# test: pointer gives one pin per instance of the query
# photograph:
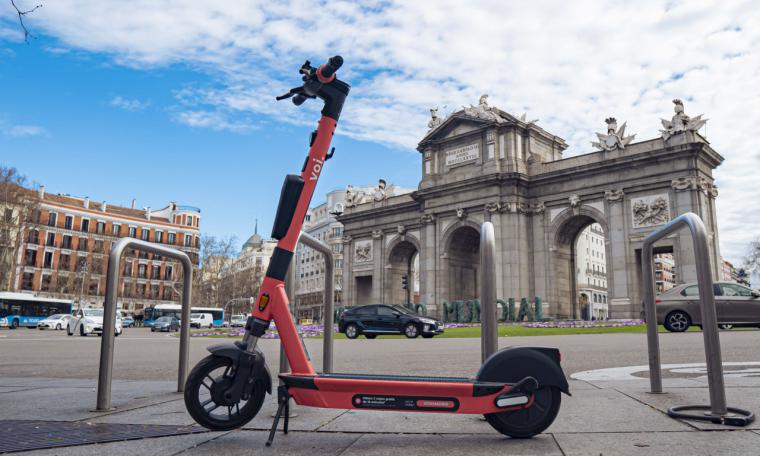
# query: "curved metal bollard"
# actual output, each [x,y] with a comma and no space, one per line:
[718,411]
[105,371]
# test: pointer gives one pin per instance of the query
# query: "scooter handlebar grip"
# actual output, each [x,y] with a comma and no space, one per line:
[326,72]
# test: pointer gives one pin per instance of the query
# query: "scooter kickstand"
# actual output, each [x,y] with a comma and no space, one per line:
[283,399]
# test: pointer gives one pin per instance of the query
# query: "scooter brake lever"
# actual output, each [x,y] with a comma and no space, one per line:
[290,93]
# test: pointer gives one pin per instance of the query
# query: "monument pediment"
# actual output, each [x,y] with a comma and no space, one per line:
[455,125]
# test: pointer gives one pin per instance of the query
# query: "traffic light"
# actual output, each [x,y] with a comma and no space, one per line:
[405,281]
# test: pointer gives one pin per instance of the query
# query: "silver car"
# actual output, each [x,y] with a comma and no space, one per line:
[735,304]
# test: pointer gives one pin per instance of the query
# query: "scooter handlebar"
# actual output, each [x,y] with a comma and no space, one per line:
[327,71]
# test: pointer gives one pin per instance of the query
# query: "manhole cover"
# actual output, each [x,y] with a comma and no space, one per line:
[23,435]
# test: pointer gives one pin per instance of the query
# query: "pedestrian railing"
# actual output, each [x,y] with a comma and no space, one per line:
[717,411]
[105,371]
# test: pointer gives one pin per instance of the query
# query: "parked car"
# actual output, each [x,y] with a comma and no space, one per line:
[375,319]
[201,320]
[90,321]
[238,321]
[166,323]
[128,322]
[57,321]
[735,305]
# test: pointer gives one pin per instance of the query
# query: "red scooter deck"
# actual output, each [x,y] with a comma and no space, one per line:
[402,393]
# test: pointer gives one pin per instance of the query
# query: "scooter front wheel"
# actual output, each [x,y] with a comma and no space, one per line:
[530,421]
[205,401]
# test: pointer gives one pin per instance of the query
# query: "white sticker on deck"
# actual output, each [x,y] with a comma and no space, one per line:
[693,370]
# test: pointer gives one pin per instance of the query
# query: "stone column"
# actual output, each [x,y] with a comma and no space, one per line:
[349,290]
[619,282]
[378,269]
[429,265]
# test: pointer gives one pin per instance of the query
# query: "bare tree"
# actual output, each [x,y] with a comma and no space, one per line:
[21,14]
[216,258]
[18,206]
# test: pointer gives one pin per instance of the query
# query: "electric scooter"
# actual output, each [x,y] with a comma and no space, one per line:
[516,389]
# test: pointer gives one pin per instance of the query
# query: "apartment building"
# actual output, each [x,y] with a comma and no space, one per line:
[65,244]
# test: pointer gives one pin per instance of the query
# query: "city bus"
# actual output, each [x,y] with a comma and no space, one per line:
[23,309]
[159,310]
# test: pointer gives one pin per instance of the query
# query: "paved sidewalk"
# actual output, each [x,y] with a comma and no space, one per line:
[601,418]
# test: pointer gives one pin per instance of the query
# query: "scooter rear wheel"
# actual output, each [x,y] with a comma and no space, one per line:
[527,422]
[205,400]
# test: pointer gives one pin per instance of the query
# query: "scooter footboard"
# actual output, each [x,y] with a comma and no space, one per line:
[442,396]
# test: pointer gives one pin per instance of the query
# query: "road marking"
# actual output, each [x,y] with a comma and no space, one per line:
[745,369]
[83,338]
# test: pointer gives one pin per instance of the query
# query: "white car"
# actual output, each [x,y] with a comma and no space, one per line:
[201,320]
[238,321]
[57,321]
[90,321]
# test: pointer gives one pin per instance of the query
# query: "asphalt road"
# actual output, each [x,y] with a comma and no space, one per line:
[142,355]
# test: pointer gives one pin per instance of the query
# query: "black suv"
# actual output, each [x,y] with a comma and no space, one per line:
[375,319]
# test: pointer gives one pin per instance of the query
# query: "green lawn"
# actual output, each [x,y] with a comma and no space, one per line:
[515,330]
[519,330]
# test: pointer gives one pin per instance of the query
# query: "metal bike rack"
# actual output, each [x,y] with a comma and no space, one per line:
[105,371]
[327,350]
[718,412]
[489,339]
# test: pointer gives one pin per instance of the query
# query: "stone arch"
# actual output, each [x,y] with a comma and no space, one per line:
[563,236]
[400,261]
[460,245]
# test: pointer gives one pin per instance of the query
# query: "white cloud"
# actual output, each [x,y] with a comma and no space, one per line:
[129,104]
[20,131]
[571,64]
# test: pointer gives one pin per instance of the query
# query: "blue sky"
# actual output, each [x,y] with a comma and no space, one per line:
[93,146]
[179,94]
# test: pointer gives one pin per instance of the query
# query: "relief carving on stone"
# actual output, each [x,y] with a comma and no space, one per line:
[615,194]
[650,210]
[401,229]
[427,218]
[363,251]
[493,206]
[574,200]
[377,234]
[461,213]
[435,121]
[484,111]
[537,207]
[614,139]
[680,122]
[684,183]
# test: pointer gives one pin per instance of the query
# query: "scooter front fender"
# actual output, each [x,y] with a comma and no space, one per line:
[233,352]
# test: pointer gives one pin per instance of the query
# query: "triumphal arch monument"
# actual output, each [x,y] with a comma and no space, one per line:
[481,163]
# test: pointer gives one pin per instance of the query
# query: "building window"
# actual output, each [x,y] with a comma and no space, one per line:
[50,239]
[159,236]
[85,225]
[27,281]
[132,232]
[128,269]
[172,238]
[155,273]
[46,282]
[64,261]
[189,220]
[52,217]
[167,294]
[48,260]
[68,222]
[94,287]
[145,234]
[142,271]
[188,240]
[168,270]
[100,228]
[82,247]
[66,242]
[33,237]
[98,247]
[115,229]
[30,258]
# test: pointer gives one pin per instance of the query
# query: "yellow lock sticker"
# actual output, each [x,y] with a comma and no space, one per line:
[263,301]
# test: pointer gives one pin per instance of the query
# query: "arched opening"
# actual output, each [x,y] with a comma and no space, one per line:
[403,268]
[463,255]
[581,269]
